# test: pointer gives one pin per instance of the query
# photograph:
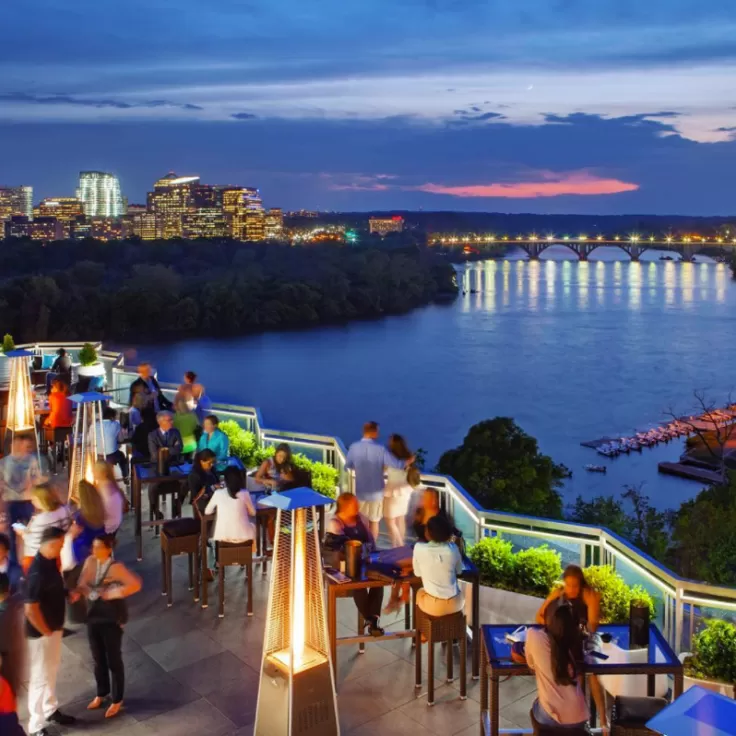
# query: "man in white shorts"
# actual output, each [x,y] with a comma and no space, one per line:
[368,459]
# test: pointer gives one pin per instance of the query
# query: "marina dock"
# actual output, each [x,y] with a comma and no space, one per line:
[691,472]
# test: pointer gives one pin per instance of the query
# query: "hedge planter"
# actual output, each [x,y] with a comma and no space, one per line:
[502,606]
[723,688]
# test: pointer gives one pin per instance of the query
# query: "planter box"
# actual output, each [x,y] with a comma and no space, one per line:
[90,371]
[502,606]
[723,688]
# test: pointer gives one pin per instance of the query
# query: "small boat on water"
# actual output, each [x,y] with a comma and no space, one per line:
[596,468]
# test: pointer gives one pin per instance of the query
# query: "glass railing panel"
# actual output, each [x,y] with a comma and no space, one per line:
[633,575]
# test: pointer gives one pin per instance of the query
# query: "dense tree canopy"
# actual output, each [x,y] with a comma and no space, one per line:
[132,290]
[501,466]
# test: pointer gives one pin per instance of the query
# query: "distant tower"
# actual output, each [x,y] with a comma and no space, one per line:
[100,194]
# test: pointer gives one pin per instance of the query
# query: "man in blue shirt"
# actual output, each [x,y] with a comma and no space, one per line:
[368,459]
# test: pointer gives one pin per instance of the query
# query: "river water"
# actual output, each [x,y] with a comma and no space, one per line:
[573,351]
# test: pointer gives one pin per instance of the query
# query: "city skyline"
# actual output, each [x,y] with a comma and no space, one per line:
[535,106]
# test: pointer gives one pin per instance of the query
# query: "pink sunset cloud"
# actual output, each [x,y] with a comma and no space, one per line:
[547,184]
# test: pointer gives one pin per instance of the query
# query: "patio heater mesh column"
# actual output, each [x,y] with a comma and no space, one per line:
[20,412]
[297,691]
[86,449]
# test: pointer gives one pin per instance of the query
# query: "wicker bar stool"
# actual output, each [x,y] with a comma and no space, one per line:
[241,554]
[179,537]
[540,729]
[630,715]
[444,629]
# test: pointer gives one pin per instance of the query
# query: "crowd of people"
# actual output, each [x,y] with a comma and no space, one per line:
[57,560]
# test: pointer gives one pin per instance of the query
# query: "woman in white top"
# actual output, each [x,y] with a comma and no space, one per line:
[235,510]
[397,492]
[438,563]
[551,653]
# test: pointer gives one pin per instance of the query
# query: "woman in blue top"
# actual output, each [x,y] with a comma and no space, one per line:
[89,521]
[214,439]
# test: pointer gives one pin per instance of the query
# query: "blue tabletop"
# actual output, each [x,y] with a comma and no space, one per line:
[698,712]
[660,653]
[145,472]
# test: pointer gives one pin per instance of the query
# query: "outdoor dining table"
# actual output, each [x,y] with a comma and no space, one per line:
[699,712]
[366,581]
[496,663]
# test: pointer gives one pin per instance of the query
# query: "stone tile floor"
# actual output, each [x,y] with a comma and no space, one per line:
[188,671]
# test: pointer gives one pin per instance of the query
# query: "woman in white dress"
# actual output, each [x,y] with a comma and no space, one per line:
[397,492]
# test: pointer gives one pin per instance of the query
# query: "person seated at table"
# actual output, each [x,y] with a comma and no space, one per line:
[552,654]
[166,436]
[203,475]
[60,408]
[185,421]
[214,439]
[235,510]
[575,591]
[139,439]
[276,470]
[428,508]
[585,604]
[190,391]
[61,369]
[147,385]
[438,563]
[349,524]
[109,433]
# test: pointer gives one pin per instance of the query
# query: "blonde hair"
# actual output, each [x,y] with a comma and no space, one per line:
[46,497]
[90,504]
[105,471]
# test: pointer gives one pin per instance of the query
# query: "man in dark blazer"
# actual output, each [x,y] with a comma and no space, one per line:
[169,437]
[147,385]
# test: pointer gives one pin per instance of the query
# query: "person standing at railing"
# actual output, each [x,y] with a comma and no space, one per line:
[368,459]
[397,492]
[147,385]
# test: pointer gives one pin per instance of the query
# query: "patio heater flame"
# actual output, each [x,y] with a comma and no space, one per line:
[20,412]
[297,691]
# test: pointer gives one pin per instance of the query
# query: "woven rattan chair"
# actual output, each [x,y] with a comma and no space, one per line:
[440,629]
[540,729]
[235,554]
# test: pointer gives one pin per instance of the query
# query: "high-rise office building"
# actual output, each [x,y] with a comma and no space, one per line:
[100,193]
[45,229]
[171,198]
[16,201]
[64,209]
[244,213]
[204,222]
[143,225]
[274,224]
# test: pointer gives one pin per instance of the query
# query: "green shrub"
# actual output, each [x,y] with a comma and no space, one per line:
[88,354]
[243,444]
[536,570]
[714,653]
[8,343]
[324,477]
[616,595]
[494,558]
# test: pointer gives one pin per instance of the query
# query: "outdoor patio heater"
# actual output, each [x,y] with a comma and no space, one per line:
[20,413]
[86,445]
[297,690]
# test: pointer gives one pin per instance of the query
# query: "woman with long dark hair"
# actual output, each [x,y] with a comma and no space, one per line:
[397,492]
[584,601]
[203,475]
[276,470]
[106,583]
[553,653]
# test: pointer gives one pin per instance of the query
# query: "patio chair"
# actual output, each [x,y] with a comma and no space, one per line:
[241,554]
[443,629]
[179,537]
[540,729]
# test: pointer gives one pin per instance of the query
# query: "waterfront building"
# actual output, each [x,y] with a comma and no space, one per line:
[144,225]
[274,224]
[106,228]
[204,222]
[171,198]
[384,225]
[81,228]
[16,201]
[100,193]
[244,213]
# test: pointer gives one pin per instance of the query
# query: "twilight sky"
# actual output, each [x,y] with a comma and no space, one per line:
[594,106]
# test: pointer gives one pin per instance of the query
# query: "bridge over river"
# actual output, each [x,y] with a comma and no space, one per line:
[582,247]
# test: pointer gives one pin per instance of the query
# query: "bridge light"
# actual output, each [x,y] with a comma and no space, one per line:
[617,238]
[600,237]
[550,237]
[566,237]
[505,237]
[668,239]
[651,239]
[518,237]
[634,238]
[582,237]
[533,236]
[720,240]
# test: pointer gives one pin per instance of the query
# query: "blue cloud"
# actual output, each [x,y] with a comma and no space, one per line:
[61,99]
[243,116]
